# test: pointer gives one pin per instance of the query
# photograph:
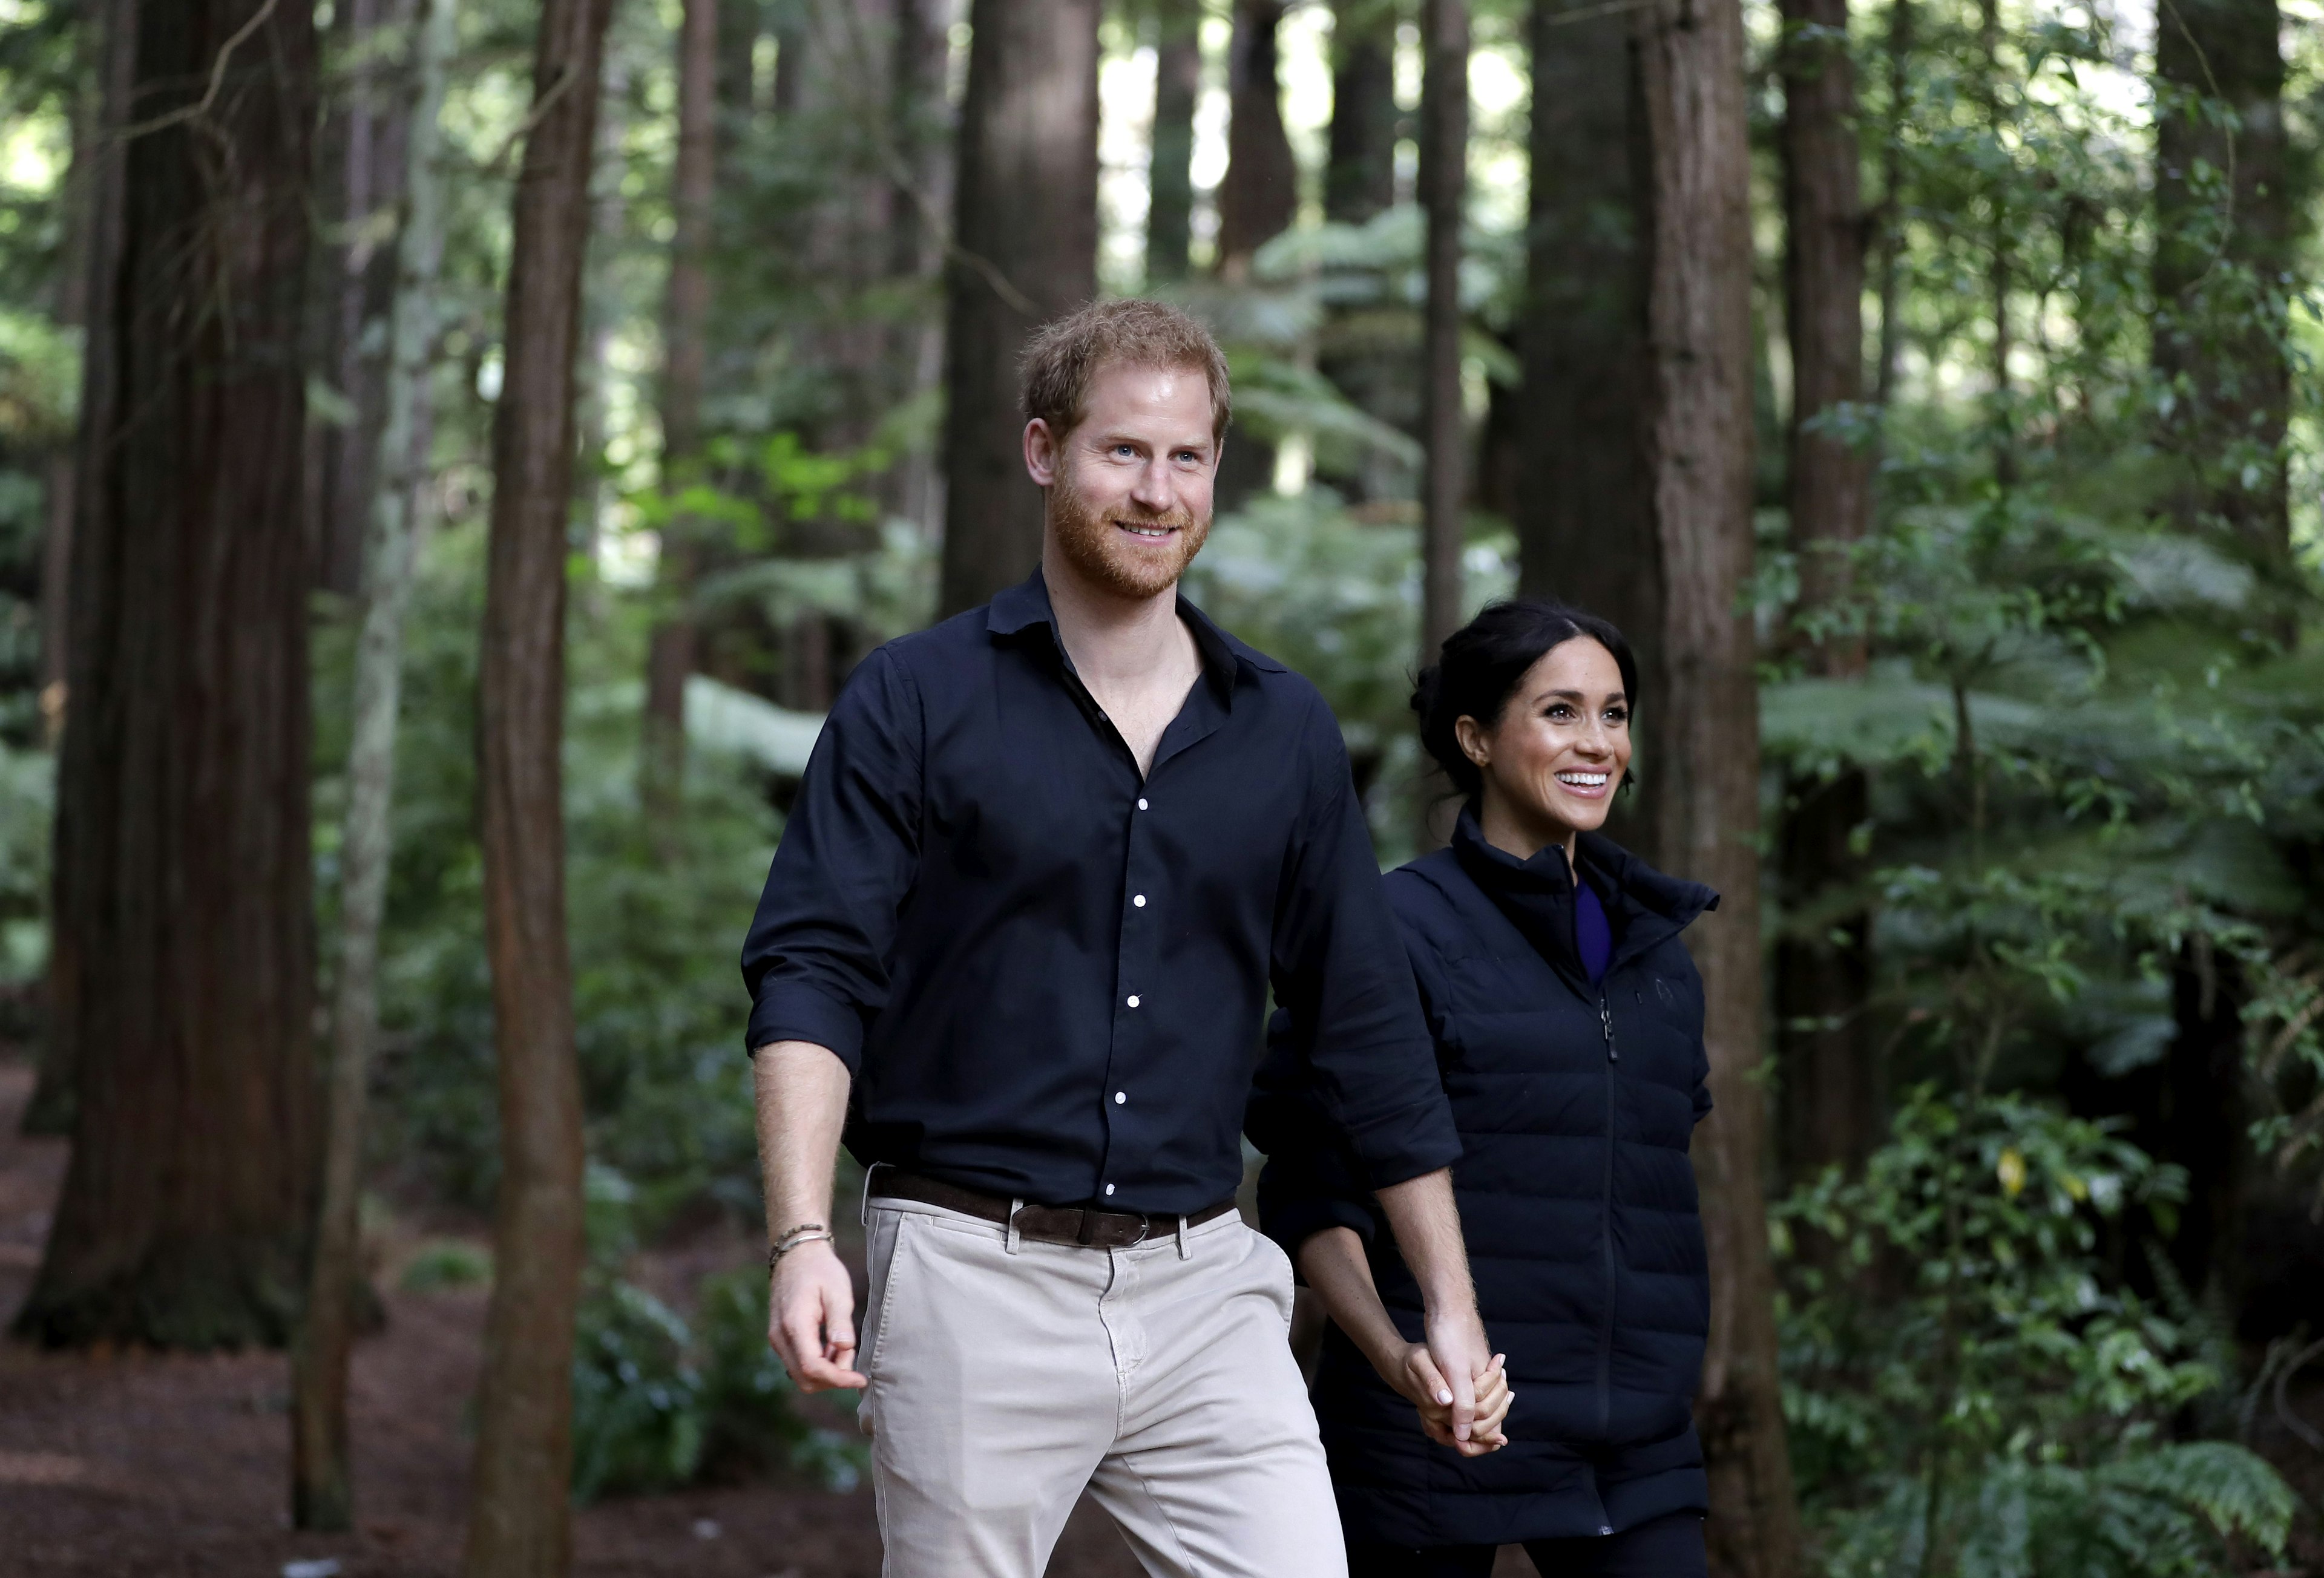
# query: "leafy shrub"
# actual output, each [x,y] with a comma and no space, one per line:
[446,1264]
[658,1404]
[1965,1394]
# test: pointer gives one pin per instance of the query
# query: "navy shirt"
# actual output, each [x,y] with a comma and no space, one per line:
[1048,976]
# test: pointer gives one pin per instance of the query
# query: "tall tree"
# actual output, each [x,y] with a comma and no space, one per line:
[1170,179]
[2223,244]
[521,1524]
[322,1489]
[1444,193]
[670,654]
[2226,244]
[1585,532]
[2000,240]
[1897,62]
[1259,193]
[1823,974]
[1025,232]
[75,487]
[1359,171]
[1698,445]
[185,957]
[361,165]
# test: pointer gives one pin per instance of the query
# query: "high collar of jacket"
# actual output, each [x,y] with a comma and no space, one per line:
[1643,906]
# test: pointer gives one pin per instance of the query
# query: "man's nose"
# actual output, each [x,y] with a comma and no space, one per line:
[1154,488]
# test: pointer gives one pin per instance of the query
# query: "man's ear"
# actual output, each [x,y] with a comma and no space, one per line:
[1041,452]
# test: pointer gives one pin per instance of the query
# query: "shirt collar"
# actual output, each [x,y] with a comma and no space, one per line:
[1020,607]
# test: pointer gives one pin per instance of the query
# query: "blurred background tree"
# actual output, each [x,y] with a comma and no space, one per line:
[1928,386]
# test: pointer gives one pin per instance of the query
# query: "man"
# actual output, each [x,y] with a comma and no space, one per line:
[1045,862]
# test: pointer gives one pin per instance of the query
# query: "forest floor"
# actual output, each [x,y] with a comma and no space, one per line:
[137,1464]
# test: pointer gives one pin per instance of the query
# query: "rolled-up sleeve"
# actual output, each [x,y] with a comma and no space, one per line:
[1342,977]
[1310,1182]
[816,961]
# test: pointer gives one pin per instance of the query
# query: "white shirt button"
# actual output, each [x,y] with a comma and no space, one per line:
[1109,1188]
[1133,999]
[1119,1097]
[1141,805]
[1139,901]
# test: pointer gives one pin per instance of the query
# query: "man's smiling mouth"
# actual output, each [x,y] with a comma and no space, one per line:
[1144,530]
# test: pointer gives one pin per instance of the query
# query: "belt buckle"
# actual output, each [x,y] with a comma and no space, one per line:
[1145,1225]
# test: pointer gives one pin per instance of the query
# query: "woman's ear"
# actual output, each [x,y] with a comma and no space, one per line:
[1475,744]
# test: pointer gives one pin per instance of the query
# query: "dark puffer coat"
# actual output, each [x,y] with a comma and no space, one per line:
[1576,1105]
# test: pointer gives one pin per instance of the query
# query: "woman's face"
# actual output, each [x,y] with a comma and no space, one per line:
[1558,751]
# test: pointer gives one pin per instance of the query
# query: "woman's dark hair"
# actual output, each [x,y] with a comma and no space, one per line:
[1482,663]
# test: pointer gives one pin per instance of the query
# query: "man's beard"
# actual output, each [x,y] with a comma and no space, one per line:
[1089,542]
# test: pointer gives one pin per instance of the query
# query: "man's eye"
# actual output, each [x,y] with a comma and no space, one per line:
[1125,449]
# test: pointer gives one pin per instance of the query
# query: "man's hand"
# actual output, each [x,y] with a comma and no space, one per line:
[1427,1228]
[811,1318]
[1413,1372]
[1456,1342]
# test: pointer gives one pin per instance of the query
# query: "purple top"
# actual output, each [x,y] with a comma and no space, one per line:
[1592,932]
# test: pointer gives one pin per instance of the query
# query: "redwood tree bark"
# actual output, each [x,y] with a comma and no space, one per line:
[1584,530]
[1699,440]
[322,1486]
[521,1523]
[184,957]
[1259,193]
[50,1109]
[1444,188]
[670,653]
[1170,180]
[1360,172]
[2221,318]
[1026,227]
[1828,1096]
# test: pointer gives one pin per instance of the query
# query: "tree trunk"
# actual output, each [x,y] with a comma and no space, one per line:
[1898,61]
[322,1490]
[1026,225]
[2003,419]
[1359,177]
[670,653]
[1170,179]
[50,1109]
[1822,975]
[1699,440]
[365,136]
[1584,529]
[2222,328]
[1444,186]
[521,1524]
[185,958]
[1259,193]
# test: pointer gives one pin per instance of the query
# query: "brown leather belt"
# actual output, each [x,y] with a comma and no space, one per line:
[1081,1226]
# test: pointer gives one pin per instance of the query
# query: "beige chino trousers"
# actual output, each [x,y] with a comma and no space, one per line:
[1006,1378]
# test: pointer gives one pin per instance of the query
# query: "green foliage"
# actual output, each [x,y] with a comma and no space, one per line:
[658,1403]
[446,1264]
[1966,1393]
[1335,594]
[654,922]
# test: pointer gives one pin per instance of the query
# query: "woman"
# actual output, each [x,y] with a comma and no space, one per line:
[1568,1022]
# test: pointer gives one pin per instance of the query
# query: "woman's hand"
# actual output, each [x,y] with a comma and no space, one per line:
[1412,1371]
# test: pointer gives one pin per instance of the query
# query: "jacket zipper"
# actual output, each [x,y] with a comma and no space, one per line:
[1605,1228]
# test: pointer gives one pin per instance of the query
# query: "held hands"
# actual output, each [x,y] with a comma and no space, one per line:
[811,1318]
[1413,1372]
